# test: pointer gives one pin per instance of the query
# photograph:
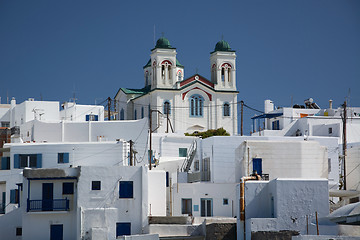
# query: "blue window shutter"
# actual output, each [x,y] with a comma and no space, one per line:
[12,196]
[16,161]
[123,229]
[3,163]
[87,118]
[126,189]
[39,160]
[96,118]
[66,157]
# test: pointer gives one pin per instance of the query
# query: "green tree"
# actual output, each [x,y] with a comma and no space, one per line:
[209,133]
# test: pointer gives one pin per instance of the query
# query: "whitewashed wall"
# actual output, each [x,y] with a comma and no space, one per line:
[285,159]
[157,193]
[282,204]
[196,191]
[102,209]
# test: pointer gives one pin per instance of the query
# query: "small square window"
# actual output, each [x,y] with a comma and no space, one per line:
[123,228]
[19,231]
[182,152]
[96,185]
[126,189]
[330,130]
[68,188]
[225,201]
[63,157]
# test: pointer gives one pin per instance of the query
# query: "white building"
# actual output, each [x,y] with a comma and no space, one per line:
[186,105]
[311,121]
[86,202]
[219,163]
[283,207]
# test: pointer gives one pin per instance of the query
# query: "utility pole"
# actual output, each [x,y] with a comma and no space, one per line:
[242,117]
[109,106]
[344,143]
[115,113]
[131,153]
[150,133]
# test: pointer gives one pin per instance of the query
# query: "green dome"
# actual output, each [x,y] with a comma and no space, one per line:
[222,46]
[163,43]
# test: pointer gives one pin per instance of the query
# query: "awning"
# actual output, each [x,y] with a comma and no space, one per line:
[268,115]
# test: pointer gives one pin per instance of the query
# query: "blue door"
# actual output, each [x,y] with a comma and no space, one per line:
[257,165]
[56,232]
[47,196]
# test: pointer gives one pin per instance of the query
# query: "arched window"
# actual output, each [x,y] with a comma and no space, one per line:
[169,71]
[226,112]
[163,71]
[167,108]
[122,115]
[142,112]
[196,106]
[147,78]
[223,74]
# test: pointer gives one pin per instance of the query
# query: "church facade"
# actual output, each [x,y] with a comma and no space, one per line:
[183,105]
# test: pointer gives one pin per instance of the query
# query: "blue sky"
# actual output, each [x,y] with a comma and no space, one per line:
[285,49]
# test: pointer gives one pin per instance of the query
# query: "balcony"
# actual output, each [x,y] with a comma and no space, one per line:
[48,205]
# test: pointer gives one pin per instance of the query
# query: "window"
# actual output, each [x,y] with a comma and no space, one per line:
[14,196]
[179,76]
[5,163]
[226,110]
[182,152]
[142,112]
[68,188]
[186,206]
[205,169]
[126,189]
[167,179]
[5,124]
[276,125]
[27,160]
[330,130]
[223,74]
[196,165]
[123,229]
[163,71]
[92,117]
[63,157]
[257,165]
[329,165]
[95,185]
[166,107]
[225,201]
[196,106]
[135,114]
[122,115]
[19,231]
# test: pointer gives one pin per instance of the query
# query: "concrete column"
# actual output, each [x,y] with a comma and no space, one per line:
[218,77]
[233,78]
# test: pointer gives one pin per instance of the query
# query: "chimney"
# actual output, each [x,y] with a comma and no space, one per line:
[330,104]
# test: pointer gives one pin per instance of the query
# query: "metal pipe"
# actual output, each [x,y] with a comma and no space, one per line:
[242,198]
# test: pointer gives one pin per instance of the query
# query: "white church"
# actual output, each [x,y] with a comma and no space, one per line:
[183,105]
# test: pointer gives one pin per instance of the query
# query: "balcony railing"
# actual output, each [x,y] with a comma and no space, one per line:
[48,205]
